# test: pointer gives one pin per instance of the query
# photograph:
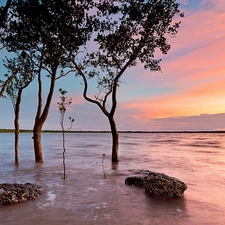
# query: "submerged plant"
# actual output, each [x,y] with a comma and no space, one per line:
[63,104]
[103,157]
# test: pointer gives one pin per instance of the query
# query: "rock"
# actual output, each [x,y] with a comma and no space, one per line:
[158,185]
[136,181]
[15,193]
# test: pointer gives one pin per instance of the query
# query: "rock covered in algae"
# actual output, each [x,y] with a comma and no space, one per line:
[15,193]
[158,185]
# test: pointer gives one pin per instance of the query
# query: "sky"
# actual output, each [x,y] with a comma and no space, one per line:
[187,95]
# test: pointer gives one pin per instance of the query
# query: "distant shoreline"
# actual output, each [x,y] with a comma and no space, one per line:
[80,131]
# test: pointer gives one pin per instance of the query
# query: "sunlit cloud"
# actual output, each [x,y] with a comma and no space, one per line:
[201,99]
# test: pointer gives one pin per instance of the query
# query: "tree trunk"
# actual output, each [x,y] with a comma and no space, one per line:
[115,139]
[16,124]
[37,142]
[42,116]
[17,133]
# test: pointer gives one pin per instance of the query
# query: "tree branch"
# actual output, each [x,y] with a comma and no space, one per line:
[79,70]
[7,81]
[63,75]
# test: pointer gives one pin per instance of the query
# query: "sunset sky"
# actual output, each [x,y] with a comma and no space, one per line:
[188,95]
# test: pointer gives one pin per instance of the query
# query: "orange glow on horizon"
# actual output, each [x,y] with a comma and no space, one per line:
[195,101]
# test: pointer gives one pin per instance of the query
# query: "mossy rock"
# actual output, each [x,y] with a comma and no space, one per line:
[15,193]
[158,185]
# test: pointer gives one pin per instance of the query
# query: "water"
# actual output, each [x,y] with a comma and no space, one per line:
[85,197]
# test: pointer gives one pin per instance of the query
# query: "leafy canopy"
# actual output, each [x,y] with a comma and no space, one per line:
[47,29]
[126,33]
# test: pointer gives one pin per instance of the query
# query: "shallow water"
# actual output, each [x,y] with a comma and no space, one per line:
[85,197]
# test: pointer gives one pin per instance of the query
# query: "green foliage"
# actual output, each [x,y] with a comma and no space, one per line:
[47,30]
[141,29]
[64,102]
[3,12]
[126,33]
[24,71]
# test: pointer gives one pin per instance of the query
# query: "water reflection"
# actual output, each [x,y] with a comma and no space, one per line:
[115,165]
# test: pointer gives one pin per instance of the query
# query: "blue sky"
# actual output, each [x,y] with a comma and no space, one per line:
[188,94]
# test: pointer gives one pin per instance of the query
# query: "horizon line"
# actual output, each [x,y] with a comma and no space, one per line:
[8,130]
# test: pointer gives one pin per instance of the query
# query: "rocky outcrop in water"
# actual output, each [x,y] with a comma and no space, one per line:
[15,193]
[157,184]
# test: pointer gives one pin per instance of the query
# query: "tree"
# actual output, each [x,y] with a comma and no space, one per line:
[44,30]
[129,32]
[63,104]
[15,88]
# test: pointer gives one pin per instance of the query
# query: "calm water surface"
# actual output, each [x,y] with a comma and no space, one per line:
[85,197]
